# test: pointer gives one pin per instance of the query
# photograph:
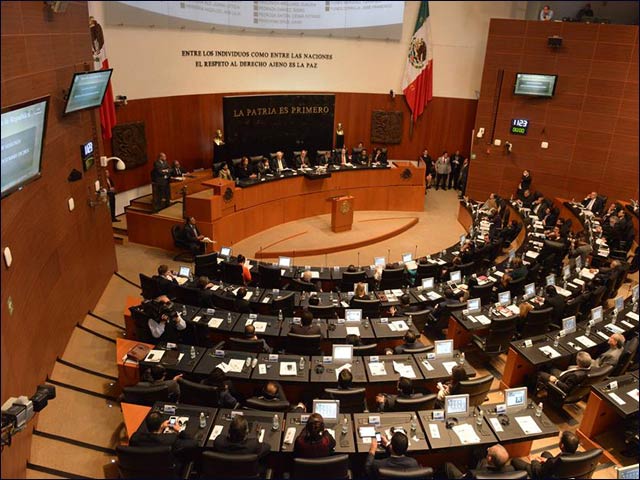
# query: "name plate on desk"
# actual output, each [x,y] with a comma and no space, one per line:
[211,311]
[431,355]
[327,360]
[384,320]
[253,316]
[273,357]
[374,419]
[613,385]
[219,353]
[374,359]
[528,343]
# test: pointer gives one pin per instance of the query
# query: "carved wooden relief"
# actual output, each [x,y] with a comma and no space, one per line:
[386,127]
[129,143]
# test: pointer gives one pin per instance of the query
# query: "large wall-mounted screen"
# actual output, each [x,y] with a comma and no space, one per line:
[87,90]
[535,85]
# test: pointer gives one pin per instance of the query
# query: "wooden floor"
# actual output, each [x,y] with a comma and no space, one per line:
[85,374]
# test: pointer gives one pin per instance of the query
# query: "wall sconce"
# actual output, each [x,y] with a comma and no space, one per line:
[120,165]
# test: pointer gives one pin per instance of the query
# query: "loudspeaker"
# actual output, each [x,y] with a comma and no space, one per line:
[554,41]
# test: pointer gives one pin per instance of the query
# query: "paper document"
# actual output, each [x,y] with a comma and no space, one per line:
[434,296]
[528,425]
[215,322]
[532,254]
[248,295]
[266,299]
[399,326]
[260,327]
[498,273]
[626,324]
[236,365]
[377,369]
[427,365]
[586,273]
[633,316]
[616,398]
[217,430]
[397,292]
[223,366]
[197,318]
[315,274]
[549,350]
[614,328]
[441,262]
[495,423]
[338,370]
[578,281]
[466,434]
[288,369]
[584,340]
[472,318]
[448,366]
[483,319]
[261,436]
[404,370]
[633,394]
[181,280]
[434,430]
[353,331]
[603,335]
[154,356]
[562,291]
[422,297]
[514,309]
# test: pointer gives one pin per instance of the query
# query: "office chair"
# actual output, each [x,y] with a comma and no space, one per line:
[246,345]
[365,350]
[517,475]
[349,279]
[298,285]
[578,465]
[423,402]
[146,462]
[392,278]
[477,388]
[267,405]
[185,255]
[627,356]
[303,344]
[423,349]
[483,292]
[231,465]
[146,395]
[353,400]
[536,323]
[232,273]
[334,467]
[560,398]
[322,311]
[419,319]
[370,308]
[149,287]
[192,393]
[270,277]
[501,331]
[420,473]
[286,303]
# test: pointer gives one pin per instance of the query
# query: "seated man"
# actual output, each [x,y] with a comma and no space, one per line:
[227,396]
[165,279]
[177,170]
[183,447]
[345,379]
[306,326]
[494,462]
[544,465]
[593,202]
[396,458]
[302,160]
[404,307]
[239,442]
[193,237]
[250,334]
[307,280]
[387,402]
[410,341]
[164,322]
[156,375]
[612,355]
[239,303]
[568,379]
[279,163]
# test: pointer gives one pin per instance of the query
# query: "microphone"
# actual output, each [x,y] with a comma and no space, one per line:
[358,260]
[388,254]
[415,255]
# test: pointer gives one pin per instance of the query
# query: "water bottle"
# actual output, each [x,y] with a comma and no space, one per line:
[203,420]
[409,321]
[184,311]
[461,358]
[229,318]
[556,341]
[304,296]
[635,307]
[301,364]
[280,317]
[443,253]
[540,291]
[192,352]
[276,422]
[539,409]
[366,322]
[413,423]
[479,418]
[587,331]
[345,425]
[614,316]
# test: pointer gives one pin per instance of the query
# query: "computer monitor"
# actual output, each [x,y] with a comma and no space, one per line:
[515,398]
[456,405]
[473,305]
[578,263]
[184,272]
[366,287]
[225,251]
[407,257]
[634,293]
[379,261]
[427,283]
[504,298]
[529,291]
[284,262]
[342,353]
[463,238]
[566,272]
[631,471]
[353,314]
[596,314]
[512,255]
[329,409]
[619,303]
[456,276]
[551,279]
[444,348]
[569,324]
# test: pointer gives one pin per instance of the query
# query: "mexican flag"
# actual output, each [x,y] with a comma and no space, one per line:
[101,62]
[417,84]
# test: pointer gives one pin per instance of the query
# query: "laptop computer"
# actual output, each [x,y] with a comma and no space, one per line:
[515,399]
[456,406]
[342,353]
[225,252]
[443,348]
[329,409]
[184,272]
[353,314]
[427,283]
[569,324]
[529,291]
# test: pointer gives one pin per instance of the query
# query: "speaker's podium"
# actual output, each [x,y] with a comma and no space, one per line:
[342,213]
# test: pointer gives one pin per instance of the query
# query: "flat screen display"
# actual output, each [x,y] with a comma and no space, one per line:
[225,251]
[504,298]
[456,276]
[427,283]
[87,90]
[406,257]
[566,272]
[515,398]
[535,85]
[456,405]
[23,130]
[353,314]
[284,261]
[619,303]
[634,293]
[530,290]
[569,324]
[444,348]
[596,314]
[632,471]
[473,304]
[551,279]
[329,409]
[379,261]
[342,353]
[184,272]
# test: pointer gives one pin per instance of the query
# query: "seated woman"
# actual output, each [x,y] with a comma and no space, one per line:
[518,269]
[359,294]
[451,386]
[525,308]
[225,173]
[227,398]
[244,170]
[314,441]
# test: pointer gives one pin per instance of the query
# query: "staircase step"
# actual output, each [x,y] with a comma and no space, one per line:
[72,376]
[120,240]
[89,351]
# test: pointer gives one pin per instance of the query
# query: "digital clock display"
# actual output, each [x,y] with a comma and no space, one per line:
[519,126]
[86,153]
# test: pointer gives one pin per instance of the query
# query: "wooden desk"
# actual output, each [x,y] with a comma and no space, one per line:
[193,183]
[133,415]
[129,324]
[128,373]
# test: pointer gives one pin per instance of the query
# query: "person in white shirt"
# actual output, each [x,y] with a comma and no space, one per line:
[166,316]
[546,13]
[279,163]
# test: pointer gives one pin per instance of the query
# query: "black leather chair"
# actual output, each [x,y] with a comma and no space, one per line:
[501,331]
[322,311]
[421,473]
[392,278]
[353,400]
[146,395]
[334,467]
[419,319]
[223,300]
[477,388]
[192,393]
[427,270]
[270,277]
[232,273]
[267,405]
[146,462]
[140,320]
[365,350]
[516,287]
[185,254]
[483,292]
[578,465]
[349,279]
[370,308]
[186,295]
[573,306]
[149,287]
[207,265]
[423,349]
[246,345]
[231,465]
[467,268]
[559,398]
[536,322]
[217,167]
[626,358]
[517,475]
[422,402]
[286,303]
[298,285]
[303,344]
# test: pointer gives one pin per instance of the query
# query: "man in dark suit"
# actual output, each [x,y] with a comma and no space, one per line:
[544,466]
[306,326]
[494,462]
[279,163]
[250,334]
[182,446]
[568,379]
[593,202]
[555,300]
[396,450]
[387,402]
[177,171]
[111,193]
[302,160]
[160,183]
[410,341]
[340,156]
[165,279]
[241,305]
[193,236]
[238,441]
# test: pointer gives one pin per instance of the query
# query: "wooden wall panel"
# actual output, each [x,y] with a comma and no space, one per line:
[183,127]
[62,260]
[591,123]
